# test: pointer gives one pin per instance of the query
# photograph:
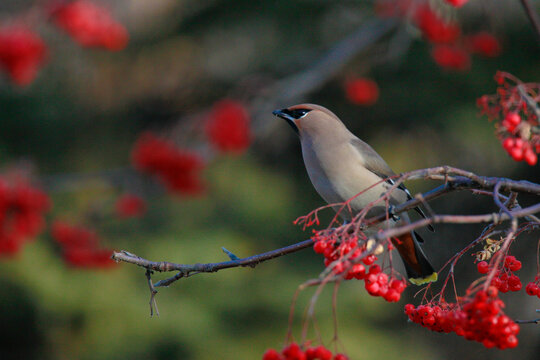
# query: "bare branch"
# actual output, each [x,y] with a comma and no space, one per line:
[186,270]
[533,17]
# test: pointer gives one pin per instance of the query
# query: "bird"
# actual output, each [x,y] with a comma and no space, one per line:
[341,166]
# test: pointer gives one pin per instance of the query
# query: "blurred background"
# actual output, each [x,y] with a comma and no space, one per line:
[72,130]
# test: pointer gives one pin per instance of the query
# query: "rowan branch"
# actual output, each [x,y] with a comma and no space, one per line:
[454,180]
[186,270]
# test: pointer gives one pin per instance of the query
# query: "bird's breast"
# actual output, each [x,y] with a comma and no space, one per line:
[338,174]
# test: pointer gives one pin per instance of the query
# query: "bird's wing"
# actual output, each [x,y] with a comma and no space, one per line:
[376,164]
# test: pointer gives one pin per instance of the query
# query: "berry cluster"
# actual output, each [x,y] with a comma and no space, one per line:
[22,210]
[295,352]
[504,279]
[80,246]
[362,91]
[129,205]
[513,107]
[228,128]
[178,169]
[451,49]
[349,260]
[23,52]
[480,319]
[533,288]
[90,24]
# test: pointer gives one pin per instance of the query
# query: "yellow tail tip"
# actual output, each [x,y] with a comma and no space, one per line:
[421,281]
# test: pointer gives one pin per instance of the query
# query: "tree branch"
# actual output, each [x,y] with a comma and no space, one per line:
[185,270]
[533,17]
[455,180]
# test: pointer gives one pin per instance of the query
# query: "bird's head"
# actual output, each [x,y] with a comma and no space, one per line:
[309,119]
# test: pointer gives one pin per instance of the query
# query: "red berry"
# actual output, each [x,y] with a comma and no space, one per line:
[272,354]
[178,169]
[359,271]
[531,289]
[341,357]
[322,353]
[516,153]
[382,279]
[91,25]
[374,269]
[514,280]
[392,295]
[398,285]
[530,157]
[293,352]
[129,205]
[508,143]
[515,266]
[451,57]
[228,127]
[511,341]
[370,259]
[409,308]
[362,91]
[311,353]
[22,53]
[319,246]
[434,28]
[513,118]
[373,288]
[508,126]
[483,267]
[484,43]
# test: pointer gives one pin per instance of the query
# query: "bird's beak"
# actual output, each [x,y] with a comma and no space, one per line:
[286,114]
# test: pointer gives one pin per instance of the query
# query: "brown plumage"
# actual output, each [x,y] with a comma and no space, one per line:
[340,166]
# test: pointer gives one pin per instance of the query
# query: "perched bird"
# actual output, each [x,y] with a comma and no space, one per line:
[340,166]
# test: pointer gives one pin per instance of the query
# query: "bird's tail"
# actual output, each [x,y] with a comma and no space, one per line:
[419,270]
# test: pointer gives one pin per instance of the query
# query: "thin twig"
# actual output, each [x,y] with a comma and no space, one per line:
[533,17]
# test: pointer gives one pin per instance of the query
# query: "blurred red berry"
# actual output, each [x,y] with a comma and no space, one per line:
[484,43]
[451,58]
[272,354]
[22,210]
[91,25]
[483,267]
[341,357]
[457,3]
[293,352]
[80,246]
[70,236]
[178,169]
[362,91]
[129,205]
[22,53]
[530,157]
[435,29]
[228,127]
[511,120]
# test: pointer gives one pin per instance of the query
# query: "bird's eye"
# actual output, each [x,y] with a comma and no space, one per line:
[299,113]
